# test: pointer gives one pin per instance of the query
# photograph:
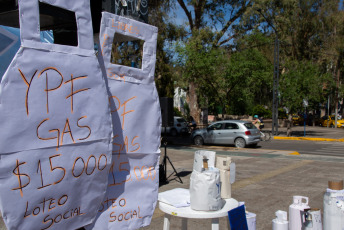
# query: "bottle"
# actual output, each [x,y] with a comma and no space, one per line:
[296,212]
[223,164]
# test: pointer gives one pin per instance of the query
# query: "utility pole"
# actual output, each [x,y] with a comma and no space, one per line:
[275,87]
[275,78]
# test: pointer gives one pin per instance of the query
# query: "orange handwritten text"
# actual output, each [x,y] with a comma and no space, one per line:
[28,83]
[120,105]
[124,146]
[121,173]
[49,73]
[19,175]
[58,134]
[47,90]
[72,92]
[48,205]
[106,37]
[45,206]
[115,75]
[53,170]
[70,213]
[133,214]
[125,27]
[113,203]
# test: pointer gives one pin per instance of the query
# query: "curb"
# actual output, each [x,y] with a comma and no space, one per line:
[309,139]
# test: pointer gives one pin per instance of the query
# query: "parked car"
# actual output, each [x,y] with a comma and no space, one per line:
[180,126]
[239,133]
[297,120]
[330,121]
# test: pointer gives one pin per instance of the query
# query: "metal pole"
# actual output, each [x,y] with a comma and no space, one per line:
[275,79]
[275,88]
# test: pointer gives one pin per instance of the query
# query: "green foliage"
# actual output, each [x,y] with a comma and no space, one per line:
[302,80]
[158,16]
[282,114]
[261,111]
[186,110]
[176,112]
[234,81]
[238,76]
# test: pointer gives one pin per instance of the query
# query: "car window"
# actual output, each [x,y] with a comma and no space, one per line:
[181,120]
[231,126]
[216,126]
[250,126]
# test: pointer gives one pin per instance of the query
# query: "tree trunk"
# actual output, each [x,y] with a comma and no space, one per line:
[289,125]
[193,102]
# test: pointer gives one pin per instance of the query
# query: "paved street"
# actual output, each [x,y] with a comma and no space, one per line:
[305,147]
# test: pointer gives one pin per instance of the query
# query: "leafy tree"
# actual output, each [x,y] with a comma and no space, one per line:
[332,19]
[302,80]
[207,19]
[222,75]
[308,32]
[159,16]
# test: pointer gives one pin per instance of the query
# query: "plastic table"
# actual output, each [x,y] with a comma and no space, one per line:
[187,212]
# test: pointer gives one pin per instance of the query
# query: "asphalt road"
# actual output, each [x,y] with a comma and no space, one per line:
[323,148]
[305,147]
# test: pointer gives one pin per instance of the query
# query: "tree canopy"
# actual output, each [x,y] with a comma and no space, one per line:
[223,55]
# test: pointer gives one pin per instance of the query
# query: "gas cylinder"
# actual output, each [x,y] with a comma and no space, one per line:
[223,164]
[313,219]
[334,206]
[296,212]
[281,221]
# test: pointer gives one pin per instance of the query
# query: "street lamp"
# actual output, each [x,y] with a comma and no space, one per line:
[275,79]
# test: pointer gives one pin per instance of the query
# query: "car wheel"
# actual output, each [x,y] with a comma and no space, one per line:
[174,132]
[240,142]
[198,140]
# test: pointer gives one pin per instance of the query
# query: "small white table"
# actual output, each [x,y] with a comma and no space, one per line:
[187,212]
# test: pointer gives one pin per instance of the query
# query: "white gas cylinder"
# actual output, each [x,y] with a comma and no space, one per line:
[333,210]
[296,212]
[313,220]
[223,164]
[281,221]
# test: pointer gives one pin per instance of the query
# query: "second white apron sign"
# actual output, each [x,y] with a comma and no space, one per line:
[133,179]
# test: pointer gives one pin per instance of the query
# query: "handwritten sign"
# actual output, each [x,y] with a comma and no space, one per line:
[56,139]
[132,190]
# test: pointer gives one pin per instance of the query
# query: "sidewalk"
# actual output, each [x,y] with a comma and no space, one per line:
[311,133]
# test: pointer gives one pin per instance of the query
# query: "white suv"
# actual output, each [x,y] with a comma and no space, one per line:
[180,126]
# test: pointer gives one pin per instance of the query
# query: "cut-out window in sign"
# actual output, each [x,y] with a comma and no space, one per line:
[127,51]
[61,21]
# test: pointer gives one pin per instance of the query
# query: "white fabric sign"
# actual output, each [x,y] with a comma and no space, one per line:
[56,138]
[133,179]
